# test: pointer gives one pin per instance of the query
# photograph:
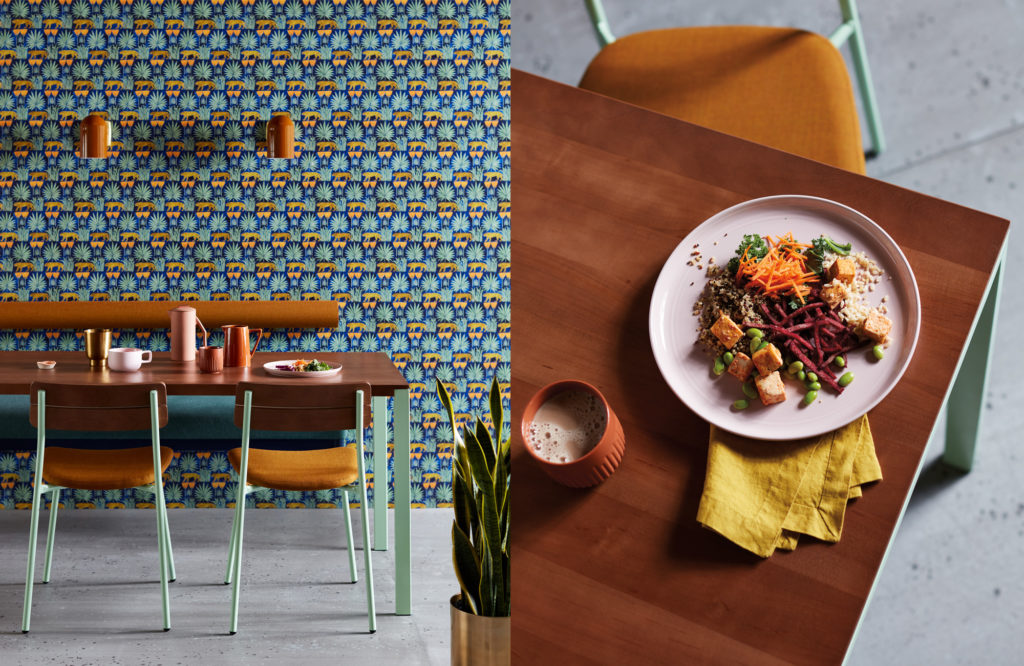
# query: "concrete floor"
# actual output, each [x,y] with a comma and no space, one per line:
[949,75]
[102,605]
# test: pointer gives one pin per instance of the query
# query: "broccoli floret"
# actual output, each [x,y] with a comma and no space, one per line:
[820,247]
[755,248]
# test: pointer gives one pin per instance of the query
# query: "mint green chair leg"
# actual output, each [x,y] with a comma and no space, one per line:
[380,472]
[37,494]
[863,73]
[368,564]
[966,400]
[240,513]
[403,498]
[348,534]
[54,502]
[163,543]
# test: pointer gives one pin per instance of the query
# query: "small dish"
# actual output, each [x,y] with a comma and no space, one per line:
[46,365]
[273,369]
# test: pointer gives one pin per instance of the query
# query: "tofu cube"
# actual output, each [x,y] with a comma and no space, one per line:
[842,269]
[770,388]
[741,367]
[876,327]
[768,359]
[726,330]
[834,293]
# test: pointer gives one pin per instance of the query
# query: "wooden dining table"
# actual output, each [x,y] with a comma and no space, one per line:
[622,572]
[18,370]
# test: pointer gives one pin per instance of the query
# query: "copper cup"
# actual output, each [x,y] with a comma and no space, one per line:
[596,465]
[211,359]
[97,346]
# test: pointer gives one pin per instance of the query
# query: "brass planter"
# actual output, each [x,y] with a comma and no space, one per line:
[479,640]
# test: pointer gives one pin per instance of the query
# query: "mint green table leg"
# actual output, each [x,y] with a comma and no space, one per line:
[229,573]
[348,536]
[403,508]
[37,495]
[172,574]
[380,472]
[967,397]
[54,502]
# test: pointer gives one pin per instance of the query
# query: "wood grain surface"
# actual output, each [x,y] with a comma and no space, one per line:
[18,370]
[603,192]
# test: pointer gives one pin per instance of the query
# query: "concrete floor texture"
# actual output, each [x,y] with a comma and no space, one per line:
[102,605]
[949,75]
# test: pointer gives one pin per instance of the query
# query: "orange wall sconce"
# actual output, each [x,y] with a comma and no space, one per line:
[94,137]
[281,137]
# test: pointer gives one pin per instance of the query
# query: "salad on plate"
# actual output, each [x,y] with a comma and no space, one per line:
[784,309]
[302,365]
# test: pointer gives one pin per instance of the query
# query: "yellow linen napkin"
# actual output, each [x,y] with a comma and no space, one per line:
[763,495]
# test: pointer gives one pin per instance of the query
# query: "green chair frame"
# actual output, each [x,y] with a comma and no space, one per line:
[849,30]
[234,567]
[40,488]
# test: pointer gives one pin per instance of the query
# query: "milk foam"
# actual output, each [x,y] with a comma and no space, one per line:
[567,426]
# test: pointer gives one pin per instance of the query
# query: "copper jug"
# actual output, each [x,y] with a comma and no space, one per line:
[183,333]
[236,345]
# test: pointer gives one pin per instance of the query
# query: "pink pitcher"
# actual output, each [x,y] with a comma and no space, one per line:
[183,333]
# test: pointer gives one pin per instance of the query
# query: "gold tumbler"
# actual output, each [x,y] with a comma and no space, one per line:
[97,345]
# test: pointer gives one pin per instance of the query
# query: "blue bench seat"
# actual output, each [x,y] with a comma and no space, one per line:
[196,423]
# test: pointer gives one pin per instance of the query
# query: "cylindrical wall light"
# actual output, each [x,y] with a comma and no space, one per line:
[281,137]
[95,137]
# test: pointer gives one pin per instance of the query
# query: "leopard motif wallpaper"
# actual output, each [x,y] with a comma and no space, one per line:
[397,205]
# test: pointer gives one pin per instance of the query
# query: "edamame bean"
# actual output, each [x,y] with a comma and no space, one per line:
[814,386]
[802,376]
[755,344]
[796,366]
[840,361]
[740,404]
[749,390]
[811,377]
[754,333]
[727,357]
[846,379]
[719,366]
[810,397]
[878,352]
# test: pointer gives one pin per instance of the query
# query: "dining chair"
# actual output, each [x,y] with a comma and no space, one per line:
[295,408]
[781,87]
[98,408]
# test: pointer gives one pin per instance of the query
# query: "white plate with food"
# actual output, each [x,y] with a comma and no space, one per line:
[302,368]
[814,286]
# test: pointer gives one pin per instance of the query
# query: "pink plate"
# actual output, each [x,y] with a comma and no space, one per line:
[687,367]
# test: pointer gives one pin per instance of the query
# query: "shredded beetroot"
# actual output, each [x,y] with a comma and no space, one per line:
[813,333]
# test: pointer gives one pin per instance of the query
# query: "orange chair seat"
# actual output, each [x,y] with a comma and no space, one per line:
[320,469]
[781,87]
[102,470]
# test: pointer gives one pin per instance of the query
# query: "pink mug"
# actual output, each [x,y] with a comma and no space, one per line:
[127,359]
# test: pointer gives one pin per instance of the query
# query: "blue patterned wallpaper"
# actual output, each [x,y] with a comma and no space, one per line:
[397,206]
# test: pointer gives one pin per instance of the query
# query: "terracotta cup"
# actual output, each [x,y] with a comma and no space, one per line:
[211,359]
[236,345]
[593,467]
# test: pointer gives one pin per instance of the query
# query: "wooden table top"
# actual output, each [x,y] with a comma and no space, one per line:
[18,370]
[603,193]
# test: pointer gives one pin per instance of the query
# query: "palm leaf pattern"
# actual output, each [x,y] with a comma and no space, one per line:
[397,208]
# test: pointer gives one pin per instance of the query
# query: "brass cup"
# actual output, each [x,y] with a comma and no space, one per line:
[97,346]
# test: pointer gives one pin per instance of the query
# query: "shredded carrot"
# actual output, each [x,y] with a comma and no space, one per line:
[782,270]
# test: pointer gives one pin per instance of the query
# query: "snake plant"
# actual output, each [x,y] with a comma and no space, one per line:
[481,474]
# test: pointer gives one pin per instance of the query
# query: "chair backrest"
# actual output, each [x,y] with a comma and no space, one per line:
[301,407]
[98,407]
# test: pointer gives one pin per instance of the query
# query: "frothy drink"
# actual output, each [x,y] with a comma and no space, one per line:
[567,426]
